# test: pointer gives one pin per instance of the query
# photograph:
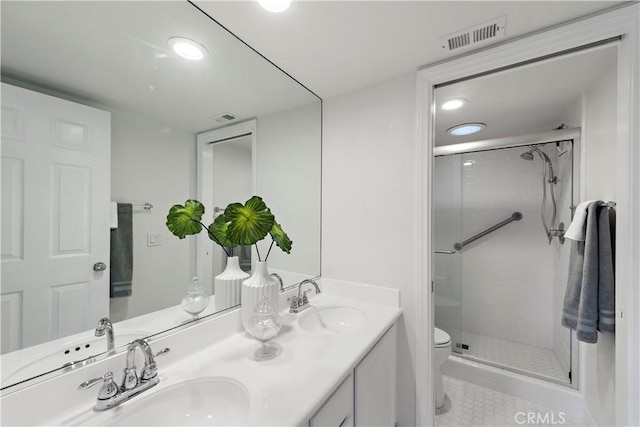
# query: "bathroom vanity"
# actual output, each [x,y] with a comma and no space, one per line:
[337,367]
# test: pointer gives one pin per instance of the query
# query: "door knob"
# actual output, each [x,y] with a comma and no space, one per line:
[99,266]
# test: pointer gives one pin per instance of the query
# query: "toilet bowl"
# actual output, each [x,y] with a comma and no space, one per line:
[441,352]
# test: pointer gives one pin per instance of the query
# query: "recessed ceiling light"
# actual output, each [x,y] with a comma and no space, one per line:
[453,104]
[466,129]
[187,48]
[275,6]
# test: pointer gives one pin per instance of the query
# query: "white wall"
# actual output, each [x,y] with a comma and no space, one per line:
[154,164]
[288,179]
[599,178]
[368,204]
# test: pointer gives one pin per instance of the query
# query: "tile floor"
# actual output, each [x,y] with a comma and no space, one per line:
[512,354]
[472,405]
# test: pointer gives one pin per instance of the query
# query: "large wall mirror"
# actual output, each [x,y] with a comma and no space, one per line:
[97,108]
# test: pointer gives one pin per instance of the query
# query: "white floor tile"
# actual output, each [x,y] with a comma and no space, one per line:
[472,405]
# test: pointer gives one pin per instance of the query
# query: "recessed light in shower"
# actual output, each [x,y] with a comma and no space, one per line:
[453,104]
[187,48]
[466,129]
[275,6]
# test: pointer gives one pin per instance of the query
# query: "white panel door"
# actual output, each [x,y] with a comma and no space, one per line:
[56,162]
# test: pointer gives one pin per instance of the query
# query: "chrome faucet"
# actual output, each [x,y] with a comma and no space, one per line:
[301,301]
[110,395]
[105,326]
[279,278]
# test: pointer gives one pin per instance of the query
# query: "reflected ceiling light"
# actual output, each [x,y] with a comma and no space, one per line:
[453,104]
[466,129]
[187,48]
[275,6]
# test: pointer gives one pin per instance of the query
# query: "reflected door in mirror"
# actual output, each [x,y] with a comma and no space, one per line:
[55,217]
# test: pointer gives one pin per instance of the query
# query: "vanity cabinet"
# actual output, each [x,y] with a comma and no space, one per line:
[367,397]
[375,383]
[337,411]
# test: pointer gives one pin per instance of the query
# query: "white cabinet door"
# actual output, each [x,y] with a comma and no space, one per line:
[337,411]
[56,163]
[375,384]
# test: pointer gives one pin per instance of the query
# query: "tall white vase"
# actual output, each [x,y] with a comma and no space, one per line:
[255,288]
[227,285]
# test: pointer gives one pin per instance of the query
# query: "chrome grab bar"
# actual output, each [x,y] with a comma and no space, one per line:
[516,216]
[442,251]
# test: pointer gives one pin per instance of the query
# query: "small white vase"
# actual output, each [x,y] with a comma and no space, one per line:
[255,288]
[227,285]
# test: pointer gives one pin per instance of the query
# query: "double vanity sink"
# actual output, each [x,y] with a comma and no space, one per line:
[210,376]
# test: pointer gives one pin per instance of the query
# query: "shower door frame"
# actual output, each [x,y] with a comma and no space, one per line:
[571,135]
[620,21]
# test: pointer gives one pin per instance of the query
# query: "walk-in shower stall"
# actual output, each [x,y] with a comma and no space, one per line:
[500,207]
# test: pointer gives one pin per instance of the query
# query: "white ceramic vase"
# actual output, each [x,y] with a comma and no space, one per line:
[227,285]
[254,290]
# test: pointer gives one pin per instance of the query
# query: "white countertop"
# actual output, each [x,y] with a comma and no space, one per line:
[285,391]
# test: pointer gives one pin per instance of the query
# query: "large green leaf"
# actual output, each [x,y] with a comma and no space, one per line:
[185,220]
[248,223]
[218,231]
[280,237]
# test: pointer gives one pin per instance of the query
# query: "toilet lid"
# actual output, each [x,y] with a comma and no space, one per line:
[440,337]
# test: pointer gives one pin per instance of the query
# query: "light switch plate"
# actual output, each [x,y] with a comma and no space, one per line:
[154,239]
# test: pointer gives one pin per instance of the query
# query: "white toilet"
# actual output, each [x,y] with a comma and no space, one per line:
[441,351]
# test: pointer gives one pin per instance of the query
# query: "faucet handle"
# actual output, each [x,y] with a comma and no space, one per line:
[162,352]
[109,387]
[294,301]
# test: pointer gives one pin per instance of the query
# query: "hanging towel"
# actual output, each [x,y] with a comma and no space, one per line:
[589,302]
[113,214]
[576,230]
[122,253]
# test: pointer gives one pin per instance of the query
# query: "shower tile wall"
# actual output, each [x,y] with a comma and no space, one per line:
[507,275]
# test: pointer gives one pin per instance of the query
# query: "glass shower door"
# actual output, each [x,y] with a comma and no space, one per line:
[447,263]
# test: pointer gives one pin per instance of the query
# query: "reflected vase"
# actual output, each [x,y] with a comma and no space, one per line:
[196,299]
[255,289]
[227,285]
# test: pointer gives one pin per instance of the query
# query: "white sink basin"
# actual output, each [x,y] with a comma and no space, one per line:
[67,353]
[332,319]
[209,401]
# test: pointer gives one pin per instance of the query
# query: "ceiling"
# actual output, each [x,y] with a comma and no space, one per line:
[114,54]
[552,90]
[334,47]
[331,47]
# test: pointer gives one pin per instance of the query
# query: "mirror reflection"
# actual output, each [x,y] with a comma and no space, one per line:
[99,112]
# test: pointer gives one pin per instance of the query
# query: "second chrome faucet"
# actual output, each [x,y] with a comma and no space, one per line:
[300,302]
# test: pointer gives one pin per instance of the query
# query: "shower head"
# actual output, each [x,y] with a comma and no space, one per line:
[527,156]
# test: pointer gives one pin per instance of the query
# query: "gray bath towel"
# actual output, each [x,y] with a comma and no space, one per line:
[122,253]
[589,302]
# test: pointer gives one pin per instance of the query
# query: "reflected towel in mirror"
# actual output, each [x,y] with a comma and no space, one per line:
[122,253]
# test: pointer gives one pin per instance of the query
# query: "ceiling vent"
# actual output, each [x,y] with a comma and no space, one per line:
[225,118]
[476,36]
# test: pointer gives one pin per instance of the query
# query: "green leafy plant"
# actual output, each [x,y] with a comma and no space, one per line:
[240,224]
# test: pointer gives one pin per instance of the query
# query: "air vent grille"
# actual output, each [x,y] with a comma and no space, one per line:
[225,117]
[475,36]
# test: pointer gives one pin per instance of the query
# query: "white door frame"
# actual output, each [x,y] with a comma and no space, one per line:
[204,182]
[622,21]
